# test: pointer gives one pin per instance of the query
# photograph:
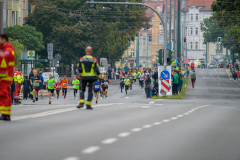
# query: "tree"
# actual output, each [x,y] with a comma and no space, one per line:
[26,35]
[72,26]
[18,48]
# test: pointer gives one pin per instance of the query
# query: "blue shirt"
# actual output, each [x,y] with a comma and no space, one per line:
[126,68]
[97,85]
[41,79]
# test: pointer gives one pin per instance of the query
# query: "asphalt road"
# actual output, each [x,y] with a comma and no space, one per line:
[204,126]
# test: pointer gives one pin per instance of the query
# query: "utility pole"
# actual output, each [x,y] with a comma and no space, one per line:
[170,24]
[137,58]
[178,32]
[127,53]
[1,17]
[147,47]
[165,35]
[174,30]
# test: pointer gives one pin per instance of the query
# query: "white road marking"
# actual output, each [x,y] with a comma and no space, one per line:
[174,118]
[147,126]
[90,150]
[124,134]
[160,100]
[109,141]
[179,115]
[136,129]
[165,120]
[71,158]
[127,97]
[145,107]
[217,73]
[186,113]
[157,123]
[151,102]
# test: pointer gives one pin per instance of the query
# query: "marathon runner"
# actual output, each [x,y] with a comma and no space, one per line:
[141,79]
[97,86]
[58,87]
[35,82]
[75,84]
[64,82]
[104,84]
[134,77]
[131,77]
[122,78]
[50,86]
[127,82]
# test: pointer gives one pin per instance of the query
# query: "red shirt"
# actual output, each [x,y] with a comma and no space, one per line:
[237,73]
[192,64]
[58,86]
[7,52]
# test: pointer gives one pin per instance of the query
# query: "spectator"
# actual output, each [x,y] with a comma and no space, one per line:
[180,81]
[41,83]
[26,88]
[151,87]
[237,73]
[235,76]
[193,78]
[175,82]
[148,86]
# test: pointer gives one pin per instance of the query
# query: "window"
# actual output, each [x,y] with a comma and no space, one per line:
[196,30]
[196,45]
[196,17]
[191,45]
[191,17]
[14,18]
[132,52]
[149,38]
[191,31]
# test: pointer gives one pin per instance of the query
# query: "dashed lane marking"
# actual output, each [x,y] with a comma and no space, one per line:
[145,107]
[136,129]
[166,120]
[90,150]
[126,97]
[151,102]
[147,126]
[157,123]
[174,118]
[124,134]
[72,158]
[109,141]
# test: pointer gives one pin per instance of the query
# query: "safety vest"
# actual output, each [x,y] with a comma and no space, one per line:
[15,77]
[3,67]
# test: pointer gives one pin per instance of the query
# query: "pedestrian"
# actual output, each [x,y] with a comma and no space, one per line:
[180,75]
[12,90]
[193,78]
[75,84]
[109,75]
[7,62]
[148,86]
[151,87]
[237,72]
[26,88]
[64,83]
[35,82]
[127,82]
[175,82]
[235,76]
[192,66]
[41,84]
[88,68]
[58,87]
[50,86]
[18,81]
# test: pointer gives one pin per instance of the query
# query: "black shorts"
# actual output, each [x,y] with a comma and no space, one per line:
[109,77]
[97,91]
[51,90]
[104,88]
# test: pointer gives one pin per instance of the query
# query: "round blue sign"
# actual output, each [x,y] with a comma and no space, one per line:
[165,74]
[185,74]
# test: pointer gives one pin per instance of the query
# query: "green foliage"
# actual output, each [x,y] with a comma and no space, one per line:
[18,48]
[72,26]
[26,35]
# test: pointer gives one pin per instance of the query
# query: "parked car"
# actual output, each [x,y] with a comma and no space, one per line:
[212,65]
[46,76]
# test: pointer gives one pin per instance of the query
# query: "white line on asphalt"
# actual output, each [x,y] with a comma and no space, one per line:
[217,74]
[166,120]
[127,97]
[151,102]
[157,123]
[186,113]
[136,129]
[179,115]
[90,150]
[174,118]
[72,158]
[145,107]
[124,134]
[109,141]
[147,126]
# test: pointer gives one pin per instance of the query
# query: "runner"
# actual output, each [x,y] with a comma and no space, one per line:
[104,84]
[50,86]
[131,77]
[97,85]
[127,82]
[102,79]
[75,84]
[134,77]
[109,75]
[122,78]
[35,82]
[64,82]
[141,79]
[58,87]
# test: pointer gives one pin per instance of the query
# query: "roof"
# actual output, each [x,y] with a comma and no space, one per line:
[149,32]
[153,4]
[206,4]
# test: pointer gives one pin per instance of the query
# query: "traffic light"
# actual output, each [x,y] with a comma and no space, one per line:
[160,56]
[169,57]
[184,39]
[219,39]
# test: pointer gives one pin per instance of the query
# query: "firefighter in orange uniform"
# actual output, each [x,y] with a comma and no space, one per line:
[7,62]
[17,81]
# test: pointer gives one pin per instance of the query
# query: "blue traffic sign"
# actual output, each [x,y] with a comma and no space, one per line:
[185,74]
[165,74]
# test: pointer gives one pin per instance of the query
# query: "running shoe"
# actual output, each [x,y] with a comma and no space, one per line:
[80,105]
[36,98]
[89,107]
[64,98]
[49,102]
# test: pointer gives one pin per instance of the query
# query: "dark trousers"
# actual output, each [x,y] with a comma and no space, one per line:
[90,91]
[26,93]
[75,92]
[193,82]
[121,86]
[141,83]
[57,92]
[126,88]
[180,86]
[64,90]
[174,89]
[147,92]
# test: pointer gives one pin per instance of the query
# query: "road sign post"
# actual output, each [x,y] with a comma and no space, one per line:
[164,81]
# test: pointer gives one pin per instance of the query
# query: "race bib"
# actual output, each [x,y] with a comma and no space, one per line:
[74,86]
[36,84]
[50,84]
[97,86]
[58,86]
[64,84]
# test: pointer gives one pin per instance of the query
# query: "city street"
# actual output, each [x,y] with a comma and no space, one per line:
[203,126]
